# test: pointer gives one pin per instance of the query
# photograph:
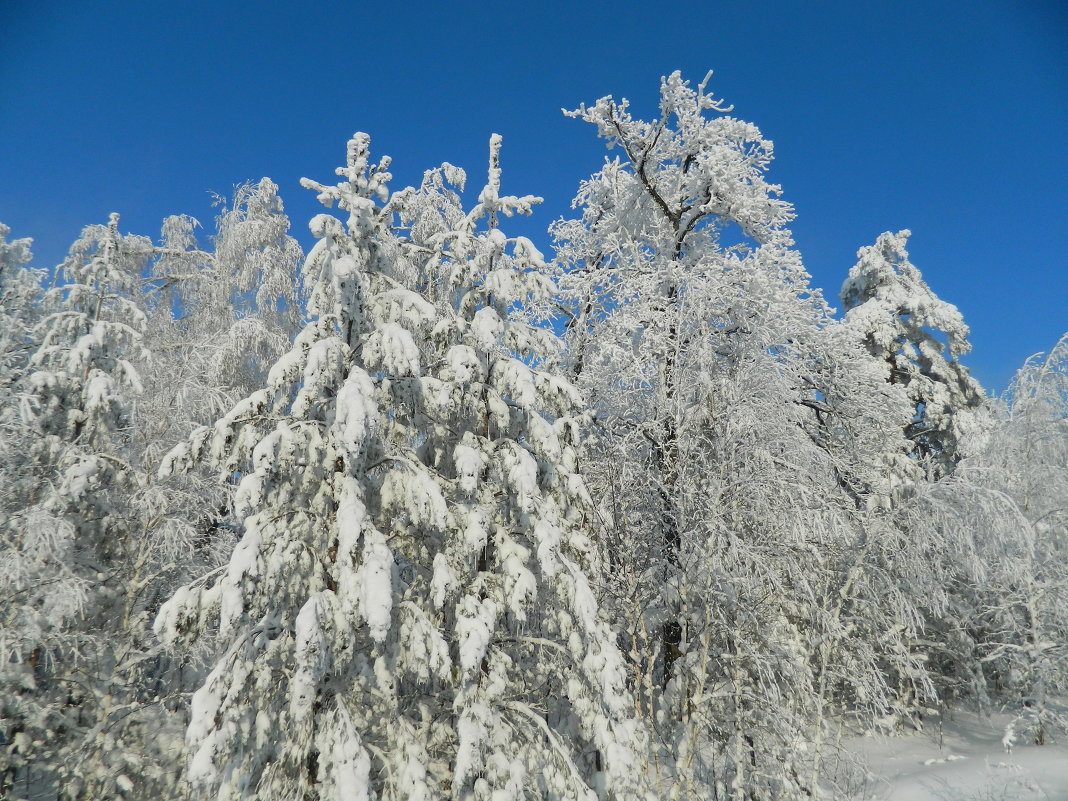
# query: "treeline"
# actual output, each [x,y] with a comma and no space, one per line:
[423,515]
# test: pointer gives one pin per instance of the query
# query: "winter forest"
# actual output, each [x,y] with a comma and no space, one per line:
[426,513]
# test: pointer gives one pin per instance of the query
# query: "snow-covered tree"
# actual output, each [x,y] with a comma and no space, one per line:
[1010,499]
[224,316]
[92,330]
[65,545]
[738,484]
[22,570]
[407,614]
[95,543]
[218,321]
[659,306]
[19,293]
[648,250]
[407,542]
[920,338]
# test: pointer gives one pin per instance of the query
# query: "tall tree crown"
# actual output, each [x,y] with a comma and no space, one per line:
[411,557]
[920,338]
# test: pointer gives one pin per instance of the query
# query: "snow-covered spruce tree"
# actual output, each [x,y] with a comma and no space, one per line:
[407,614]
[920,338]
[733,480]
[97,544]
[211,334]
[20,296]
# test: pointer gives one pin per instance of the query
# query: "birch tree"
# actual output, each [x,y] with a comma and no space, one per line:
[739,486]
[1010,497]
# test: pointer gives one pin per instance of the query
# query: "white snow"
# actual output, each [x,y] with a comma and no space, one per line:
[355,409]
[399,305]
[962,760]
[520,472]
[514,380]
[391,349]
[469,462]
[444,581]
[310,651]
[351,762]
[463,364]
[487,328]
[475,621]
[375,577]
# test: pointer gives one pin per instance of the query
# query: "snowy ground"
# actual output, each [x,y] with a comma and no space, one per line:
[963,760]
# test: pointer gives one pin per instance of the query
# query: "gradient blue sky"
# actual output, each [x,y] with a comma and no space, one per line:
[947,118]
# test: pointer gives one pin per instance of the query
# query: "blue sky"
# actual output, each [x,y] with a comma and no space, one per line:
[946,118]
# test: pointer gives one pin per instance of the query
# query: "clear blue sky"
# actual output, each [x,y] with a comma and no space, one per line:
[947,118]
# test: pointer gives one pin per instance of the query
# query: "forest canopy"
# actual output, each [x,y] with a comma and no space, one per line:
[427,513]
